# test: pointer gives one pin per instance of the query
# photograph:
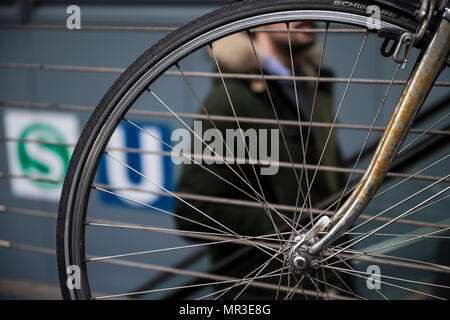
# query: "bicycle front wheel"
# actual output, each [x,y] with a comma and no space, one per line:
[233,222]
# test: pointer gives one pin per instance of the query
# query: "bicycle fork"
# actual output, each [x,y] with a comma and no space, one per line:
[419,84]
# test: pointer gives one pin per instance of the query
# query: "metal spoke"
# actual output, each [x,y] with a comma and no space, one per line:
[203,142]
[291,293]
[337,113]
[257,274]
[223,291]
[211,50]
[410,177]
[346,285]
[422,134]
[397,204]
[191,158]
[171,288]
[389,223]
[259,268]
[316,87]
[357,273]
[157,209]
[318,292]
[283,217]
[304,148]
[223,141]
[192,234]
[275,113]
[158,250]
[380,108]
[335,287]
[351,268]
[418,263]
[185,202]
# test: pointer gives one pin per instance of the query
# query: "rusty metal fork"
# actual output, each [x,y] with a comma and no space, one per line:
[432,60]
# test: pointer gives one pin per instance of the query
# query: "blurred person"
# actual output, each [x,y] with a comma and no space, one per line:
[249,97]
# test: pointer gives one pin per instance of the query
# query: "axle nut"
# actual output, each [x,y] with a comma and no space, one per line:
[299,262]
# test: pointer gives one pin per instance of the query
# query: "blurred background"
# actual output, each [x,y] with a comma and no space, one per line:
[52,75]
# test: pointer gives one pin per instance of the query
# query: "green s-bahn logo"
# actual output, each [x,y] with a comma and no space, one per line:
[39,152]
[51,164]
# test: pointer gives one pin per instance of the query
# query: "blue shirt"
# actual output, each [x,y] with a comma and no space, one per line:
[274,67]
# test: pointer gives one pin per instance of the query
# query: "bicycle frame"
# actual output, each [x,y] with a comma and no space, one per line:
[428,67]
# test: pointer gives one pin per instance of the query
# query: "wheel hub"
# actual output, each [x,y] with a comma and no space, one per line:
[299,256]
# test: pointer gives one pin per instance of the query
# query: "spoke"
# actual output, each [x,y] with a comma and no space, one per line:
[191,234]
[157,209]
[323,212]
[214,236]
[257,274]
[364,144]
[318,292]
[291,293]
[325,281]
[199,101]
[316,87]
[281,277]
[222,291]
[201,275]
[335,287]
[320,213]
[223,141]
[390,260]
[398,235]
[444,268]
[210,171]
[199,138]
[259,268]
[442,227]
[422,134]
[219,157]
[368,234]
[351,268]
[246,203]
[304,148]
[185,202]
[219,278]
[406,179]
[389,223]
[173,288]
[346,285]
[380,108]
[314,99]
[397,204]
[336,116]
[275,112]
[358,274]
[281,250]
[243,138]
[263,77]
[158,250]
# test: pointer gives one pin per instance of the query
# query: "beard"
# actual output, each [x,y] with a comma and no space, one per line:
[297,46]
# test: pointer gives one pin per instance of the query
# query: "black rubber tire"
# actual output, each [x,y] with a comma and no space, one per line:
[70,249]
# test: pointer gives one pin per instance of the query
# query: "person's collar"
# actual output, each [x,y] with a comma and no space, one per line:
[272,65]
